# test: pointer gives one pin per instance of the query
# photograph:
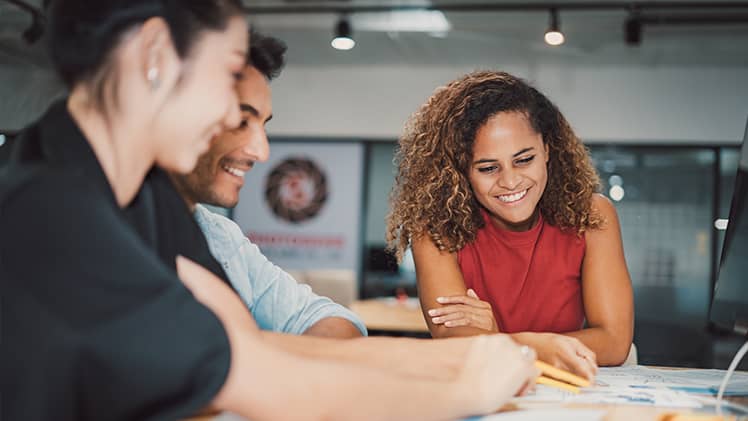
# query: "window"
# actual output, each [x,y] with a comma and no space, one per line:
[665,198]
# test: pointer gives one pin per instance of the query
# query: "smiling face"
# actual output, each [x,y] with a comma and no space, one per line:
[508,171]
[219,173]
[204,102]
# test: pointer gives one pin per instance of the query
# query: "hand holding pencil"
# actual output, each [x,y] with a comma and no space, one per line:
[561,351]
[555,377]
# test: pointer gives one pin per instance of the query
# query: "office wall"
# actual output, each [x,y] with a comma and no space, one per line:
[636,104]
[609,103]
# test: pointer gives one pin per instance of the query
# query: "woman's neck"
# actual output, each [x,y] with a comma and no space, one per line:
[119,145]
[521,226]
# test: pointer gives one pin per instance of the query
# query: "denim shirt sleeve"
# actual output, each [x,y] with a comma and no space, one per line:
[276,300]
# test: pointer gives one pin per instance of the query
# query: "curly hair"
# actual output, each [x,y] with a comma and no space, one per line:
[432,194]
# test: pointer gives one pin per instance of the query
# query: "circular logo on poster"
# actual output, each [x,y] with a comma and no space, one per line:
[296,190]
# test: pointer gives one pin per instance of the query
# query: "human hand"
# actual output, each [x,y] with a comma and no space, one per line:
[561,351]
[464,310]
[213,293]
[495,369]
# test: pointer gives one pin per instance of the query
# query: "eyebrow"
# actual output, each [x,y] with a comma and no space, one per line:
[252,110]
[486,160]
[522,151]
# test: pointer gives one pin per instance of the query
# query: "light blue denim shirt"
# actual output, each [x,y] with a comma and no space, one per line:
[276,300]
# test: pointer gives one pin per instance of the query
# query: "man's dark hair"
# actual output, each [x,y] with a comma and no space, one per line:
[266,54]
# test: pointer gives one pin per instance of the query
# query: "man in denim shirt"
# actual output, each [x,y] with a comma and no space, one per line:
[276,300]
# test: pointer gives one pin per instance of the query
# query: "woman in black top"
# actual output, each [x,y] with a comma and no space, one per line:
[95,326]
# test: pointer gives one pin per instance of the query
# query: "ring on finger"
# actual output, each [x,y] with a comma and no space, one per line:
[525,351]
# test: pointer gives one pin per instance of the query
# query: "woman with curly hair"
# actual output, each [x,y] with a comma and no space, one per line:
[496,197]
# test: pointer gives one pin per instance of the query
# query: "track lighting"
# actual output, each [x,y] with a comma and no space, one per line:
[343,39]
[386,15]
[554,36]
[632,30]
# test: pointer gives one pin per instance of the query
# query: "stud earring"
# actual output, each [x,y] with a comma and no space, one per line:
[152,77]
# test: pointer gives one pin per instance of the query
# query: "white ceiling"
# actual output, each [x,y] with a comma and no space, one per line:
[683,82]
[476,38]
[593,36]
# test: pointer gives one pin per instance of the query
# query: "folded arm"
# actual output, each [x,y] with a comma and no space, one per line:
[452,310]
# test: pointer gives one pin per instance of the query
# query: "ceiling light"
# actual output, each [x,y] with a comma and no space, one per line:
[616,193]
[427,21]
[615,180]
[554,36]
[343,39]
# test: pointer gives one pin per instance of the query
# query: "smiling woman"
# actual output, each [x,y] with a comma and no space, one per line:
[496,196]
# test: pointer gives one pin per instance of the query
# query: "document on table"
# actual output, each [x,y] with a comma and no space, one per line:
[637,385]
[693,381]
[613,395]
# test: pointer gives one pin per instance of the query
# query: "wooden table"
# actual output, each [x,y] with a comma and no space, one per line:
[390,314]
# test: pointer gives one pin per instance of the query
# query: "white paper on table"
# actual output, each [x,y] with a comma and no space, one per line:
[614,395]
[558,414]
[694,381]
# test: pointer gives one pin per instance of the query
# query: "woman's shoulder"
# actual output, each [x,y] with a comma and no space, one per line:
[603,207]
[600,202]
[34,191]
[40,181]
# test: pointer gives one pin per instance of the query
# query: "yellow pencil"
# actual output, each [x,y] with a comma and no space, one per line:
[557,384]
[562,375]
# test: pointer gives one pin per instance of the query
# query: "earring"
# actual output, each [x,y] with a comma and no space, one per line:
[152,77]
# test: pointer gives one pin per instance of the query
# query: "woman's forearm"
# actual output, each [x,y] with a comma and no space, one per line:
[611,348]
[441,331]
[437,359]
[265,382]
[268,383]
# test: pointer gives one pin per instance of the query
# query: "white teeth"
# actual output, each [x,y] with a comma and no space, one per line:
[234,171]
[508,198]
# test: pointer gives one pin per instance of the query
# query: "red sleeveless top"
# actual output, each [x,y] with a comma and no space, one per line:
[532,279]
